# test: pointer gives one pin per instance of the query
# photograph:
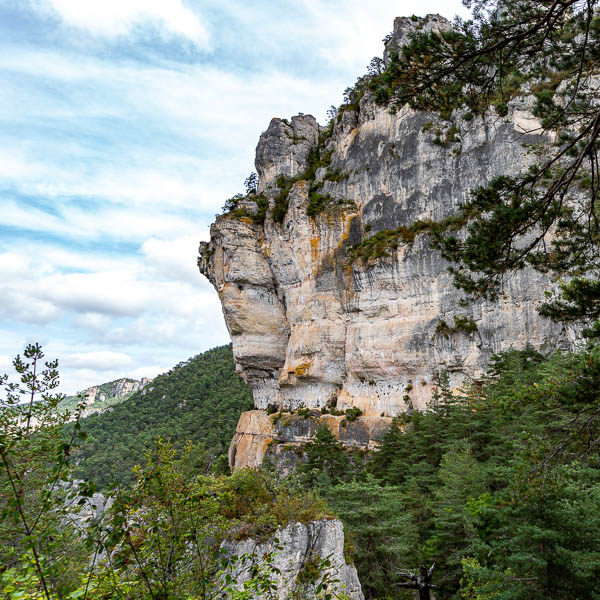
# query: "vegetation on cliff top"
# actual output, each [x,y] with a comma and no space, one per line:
[319,202]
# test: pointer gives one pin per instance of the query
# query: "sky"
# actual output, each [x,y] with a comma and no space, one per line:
[124,126]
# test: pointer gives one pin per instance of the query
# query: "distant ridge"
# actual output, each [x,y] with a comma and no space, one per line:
[99,398]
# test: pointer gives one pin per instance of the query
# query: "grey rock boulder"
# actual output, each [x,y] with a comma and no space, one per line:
[283,149]
[405,27]
[298,546]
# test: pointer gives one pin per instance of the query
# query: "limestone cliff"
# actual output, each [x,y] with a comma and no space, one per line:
[298,551]
[318,321]
[99,398]
[114,389]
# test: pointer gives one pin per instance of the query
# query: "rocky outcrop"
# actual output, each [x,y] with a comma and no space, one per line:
[299,551]
[405,27]
[285,149]
[315,322]
[124,387]
[96,397]
[83,511]
[282,436]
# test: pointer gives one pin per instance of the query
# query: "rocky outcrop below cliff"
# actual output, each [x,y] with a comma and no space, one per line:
[330,290]
[283,436]
[83,511]
[303,555]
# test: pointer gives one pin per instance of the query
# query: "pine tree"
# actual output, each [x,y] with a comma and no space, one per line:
[381,531]
[326,460]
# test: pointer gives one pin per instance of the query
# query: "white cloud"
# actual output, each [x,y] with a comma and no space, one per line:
[113,18]
[55,258]
[20,305]
[5,364]
[116,293]
[162,276]
[107,222]
[183,332]
[15,267]
[101,361]
[174,258]
[355,37]
[93,321]
[150,371]
[182,125]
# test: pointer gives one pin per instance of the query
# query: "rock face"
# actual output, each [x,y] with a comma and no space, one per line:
[285,149]
[300,548]
[283,436]
[83,511]
[313,327]
[96,396]
[404,27]
[129,386]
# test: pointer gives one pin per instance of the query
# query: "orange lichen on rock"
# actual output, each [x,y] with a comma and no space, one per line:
[302,369]
[314,248]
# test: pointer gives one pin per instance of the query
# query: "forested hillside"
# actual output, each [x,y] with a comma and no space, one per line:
[199,400]
[498,486]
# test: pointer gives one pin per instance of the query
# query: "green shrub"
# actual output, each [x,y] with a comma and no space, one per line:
[282,199]
[353,413]
[382,94]
[319,203]
[461,323]
[384,242]
[501,108]
[263,206]
[261,503]
[231,203]
[336,176]
[310,571]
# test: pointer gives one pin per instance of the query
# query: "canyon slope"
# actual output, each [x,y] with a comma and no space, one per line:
[100,398]
[331,292]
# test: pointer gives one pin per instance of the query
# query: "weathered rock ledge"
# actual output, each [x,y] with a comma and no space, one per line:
[282,436]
